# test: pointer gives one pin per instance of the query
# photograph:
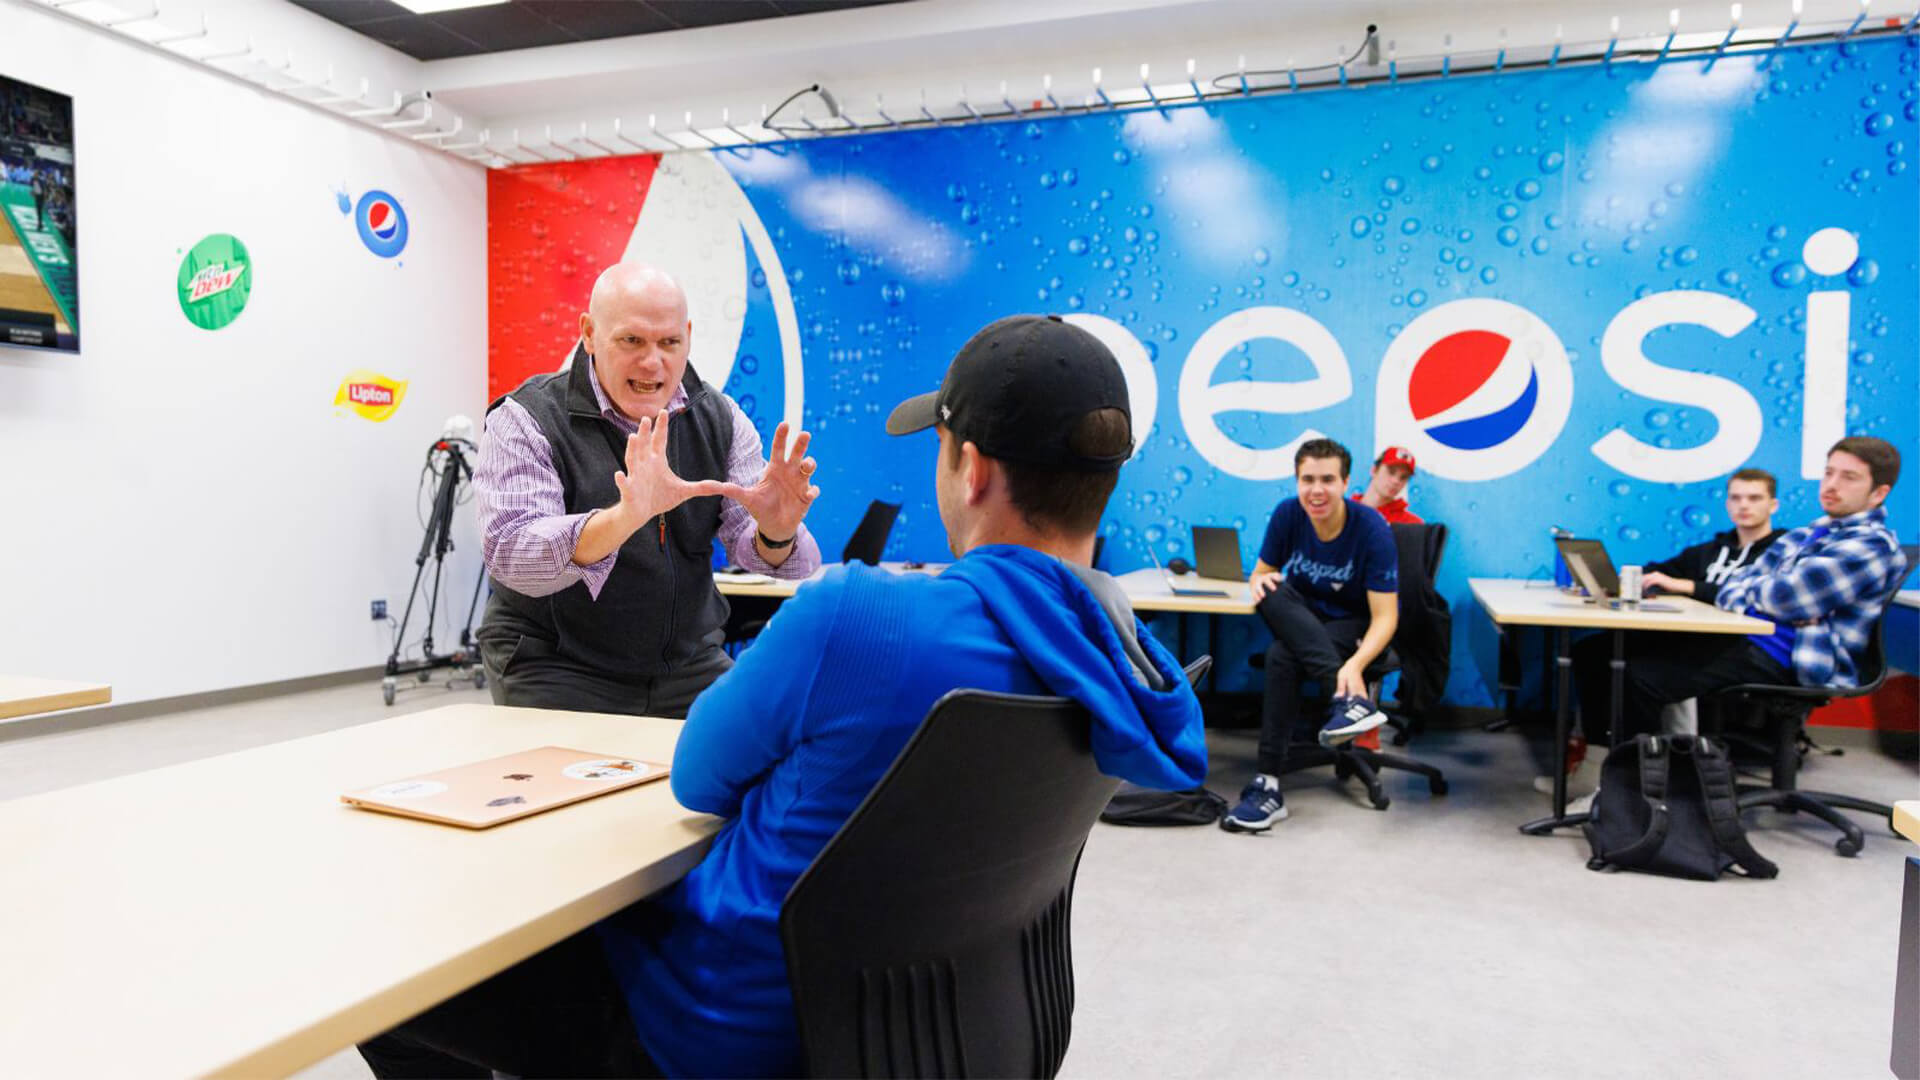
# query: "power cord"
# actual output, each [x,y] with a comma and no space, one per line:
[833,108]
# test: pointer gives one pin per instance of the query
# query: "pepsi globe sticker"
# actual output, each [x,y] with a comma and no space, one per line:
[382,224]
[604,769]
[216,278]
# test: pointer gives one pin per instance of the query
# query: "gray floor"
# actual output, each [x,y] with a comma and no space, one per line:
[1429,940]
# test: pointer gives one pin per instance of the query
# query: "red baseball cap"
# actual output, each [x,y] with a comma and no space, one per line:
[1396,455]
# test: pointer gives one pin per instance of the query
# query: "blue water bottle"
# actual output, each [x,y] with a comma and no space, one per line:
[1562,576]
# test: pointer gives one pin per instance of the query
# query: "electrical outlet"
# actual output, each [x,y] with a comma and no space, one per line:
[379,610]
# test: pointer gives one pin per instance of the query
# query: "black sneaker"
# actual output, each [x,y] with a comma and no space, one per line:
[1260,809]
[1351,716]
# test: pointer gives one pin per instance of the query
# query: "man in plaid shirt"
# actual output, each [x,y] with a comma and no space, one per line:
[1822,586]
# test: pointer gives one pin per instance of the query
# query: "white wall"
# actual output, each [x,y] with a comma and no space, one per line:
[184,511]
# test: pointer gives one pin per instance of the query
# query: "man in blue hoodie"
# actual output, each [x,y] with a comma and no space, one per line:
[1033,425]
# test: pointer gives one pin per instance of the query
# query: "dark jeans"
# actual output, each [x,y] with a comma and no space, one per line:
[1662,669]
[556,1013]
[524,670]
[1305,648]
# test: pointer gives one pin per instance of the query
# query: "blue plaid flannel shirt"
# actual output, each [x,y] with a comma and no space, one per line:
[1830,587]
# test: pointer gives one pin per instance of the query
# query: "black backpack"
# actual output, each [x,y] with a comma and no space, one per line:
[1136,805]
[1666,805]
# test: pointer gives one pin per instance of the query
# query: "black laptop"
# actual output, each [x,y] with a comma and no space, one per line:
[1216,552]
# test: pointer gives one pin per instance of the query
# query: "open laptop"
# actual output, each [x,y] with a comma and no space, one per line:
[487,793]
[1173,583]
[869,538]
[1593,568]
[1216,552]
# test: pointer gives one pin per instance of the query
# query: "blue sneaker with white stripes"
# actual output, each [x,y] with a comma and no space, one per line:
[1261,807]
[1350,717]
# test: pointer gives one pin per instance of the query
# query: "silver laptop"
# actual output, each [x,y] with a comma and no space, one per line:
[1593,568]
[1173,583]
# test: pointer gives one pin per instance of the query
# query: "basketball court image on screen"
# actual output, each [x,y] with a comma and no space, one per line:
[39,286]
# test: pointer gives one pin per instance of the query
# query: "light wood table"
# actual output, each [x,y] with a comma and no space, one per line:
[22,695]
[783,588]
[231,917]
[1149,591]
[1510,602]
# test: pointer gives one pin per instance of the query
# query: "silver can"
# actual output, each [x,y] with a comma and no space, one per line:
[1630,585]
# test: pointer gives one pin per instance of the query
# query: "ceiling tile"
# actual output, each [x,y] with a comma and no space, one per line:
[419,38]
[593,20]
[691,13]
[502,27]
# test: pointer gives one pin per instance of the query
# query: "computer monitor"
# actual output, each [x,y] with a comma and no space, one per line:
[1216,552]
[869,539]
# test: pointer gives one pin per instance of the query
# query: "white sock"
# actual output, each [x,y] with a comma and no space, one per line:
[1272,781]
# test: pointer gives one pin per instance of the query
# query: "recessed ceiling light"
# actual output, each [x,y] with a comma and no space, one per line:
[428,7]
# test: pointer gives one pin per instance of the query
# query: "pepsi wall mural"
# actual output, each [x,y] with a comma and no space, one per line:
[1581,297]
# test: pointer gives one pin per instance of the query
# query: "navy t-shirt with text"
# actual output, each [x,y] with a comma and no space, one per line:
[1333,575]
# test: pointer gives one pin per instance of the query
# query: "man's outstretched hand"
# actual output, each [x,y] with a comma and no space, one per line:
[784,492]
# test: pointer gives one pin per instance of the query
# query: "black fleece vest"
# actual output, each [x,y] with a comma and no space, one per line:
[658,608]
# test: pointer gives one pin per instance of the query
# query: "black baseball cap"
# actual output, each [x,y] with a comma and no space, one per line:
[1016,390]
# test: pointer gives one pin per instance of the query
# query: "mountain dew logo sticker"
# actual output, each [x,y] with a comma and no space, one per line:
[216,277]
[372,395]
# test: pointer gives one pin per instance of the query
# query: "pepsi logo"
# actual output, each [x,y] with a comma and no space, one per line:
[1477,388]
[382,224]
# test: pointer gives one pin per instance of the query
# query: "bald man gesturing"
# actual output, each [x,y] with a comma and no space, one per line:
[601,491]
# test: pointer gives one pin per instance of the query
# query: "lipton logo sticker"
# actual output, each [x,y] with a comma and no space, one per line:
[372,395]
[216,279]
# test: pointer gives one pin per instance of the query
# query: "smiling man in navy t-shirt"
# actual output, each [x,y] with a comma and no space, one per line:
[1328,584]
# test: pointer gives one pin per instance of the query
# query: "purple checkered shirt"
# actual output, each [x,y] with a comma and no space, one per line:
[527,536]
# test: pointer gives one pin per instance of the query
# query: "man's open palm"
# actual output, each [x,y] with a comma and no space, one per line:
[649,486]
[785,491]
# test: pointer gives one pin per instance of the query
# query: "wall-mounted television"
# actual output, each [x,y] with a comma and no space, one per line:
[39,278]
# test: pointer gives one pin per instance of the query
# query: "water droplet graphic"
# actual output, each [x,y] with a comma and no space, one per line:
[1361,226]
[1658,418]
[1047,179]
[1393,185]
[1410,226]
[1695,517]
[893,293]
[1507,212]
[1864,272]
[1620,489]
[1508,235]
[1878,123]
[1552,161]
[1078,245]
[1686,256]
[1527,189]
[1789,274]
[1261,256]
[849,272]
[1431,163]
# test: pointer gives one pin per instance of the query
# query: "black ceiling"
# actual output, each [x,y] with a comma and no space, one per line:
[525,24]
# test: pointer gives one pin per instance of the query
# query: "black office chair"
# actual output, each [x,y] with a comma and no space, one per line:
[1782,712]
[869,539]
[1419,548]
[932,935]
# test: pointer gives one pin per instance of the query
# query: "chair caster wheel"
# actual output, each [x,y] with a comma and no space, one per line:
[479,679]
[387,688]
[1378,798]
[1846,847]
[1437,786]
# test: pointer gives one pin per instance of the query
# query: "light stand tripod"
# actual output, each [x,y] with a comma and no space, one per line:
[435,544]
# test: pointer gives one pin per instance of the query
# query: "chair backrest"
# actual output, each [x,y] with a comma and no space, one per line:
[930,937]
[1873,666]
[869,539]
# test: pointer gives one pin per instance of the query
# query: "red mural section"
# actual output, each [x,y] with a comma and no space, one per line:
[551,229]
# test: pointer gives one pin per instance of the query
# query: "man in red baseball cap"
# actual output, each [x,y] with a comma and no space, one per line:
[1388,484]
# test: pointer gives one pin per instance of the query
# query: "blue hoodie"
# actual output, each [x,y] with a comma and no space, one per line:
[789,742]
